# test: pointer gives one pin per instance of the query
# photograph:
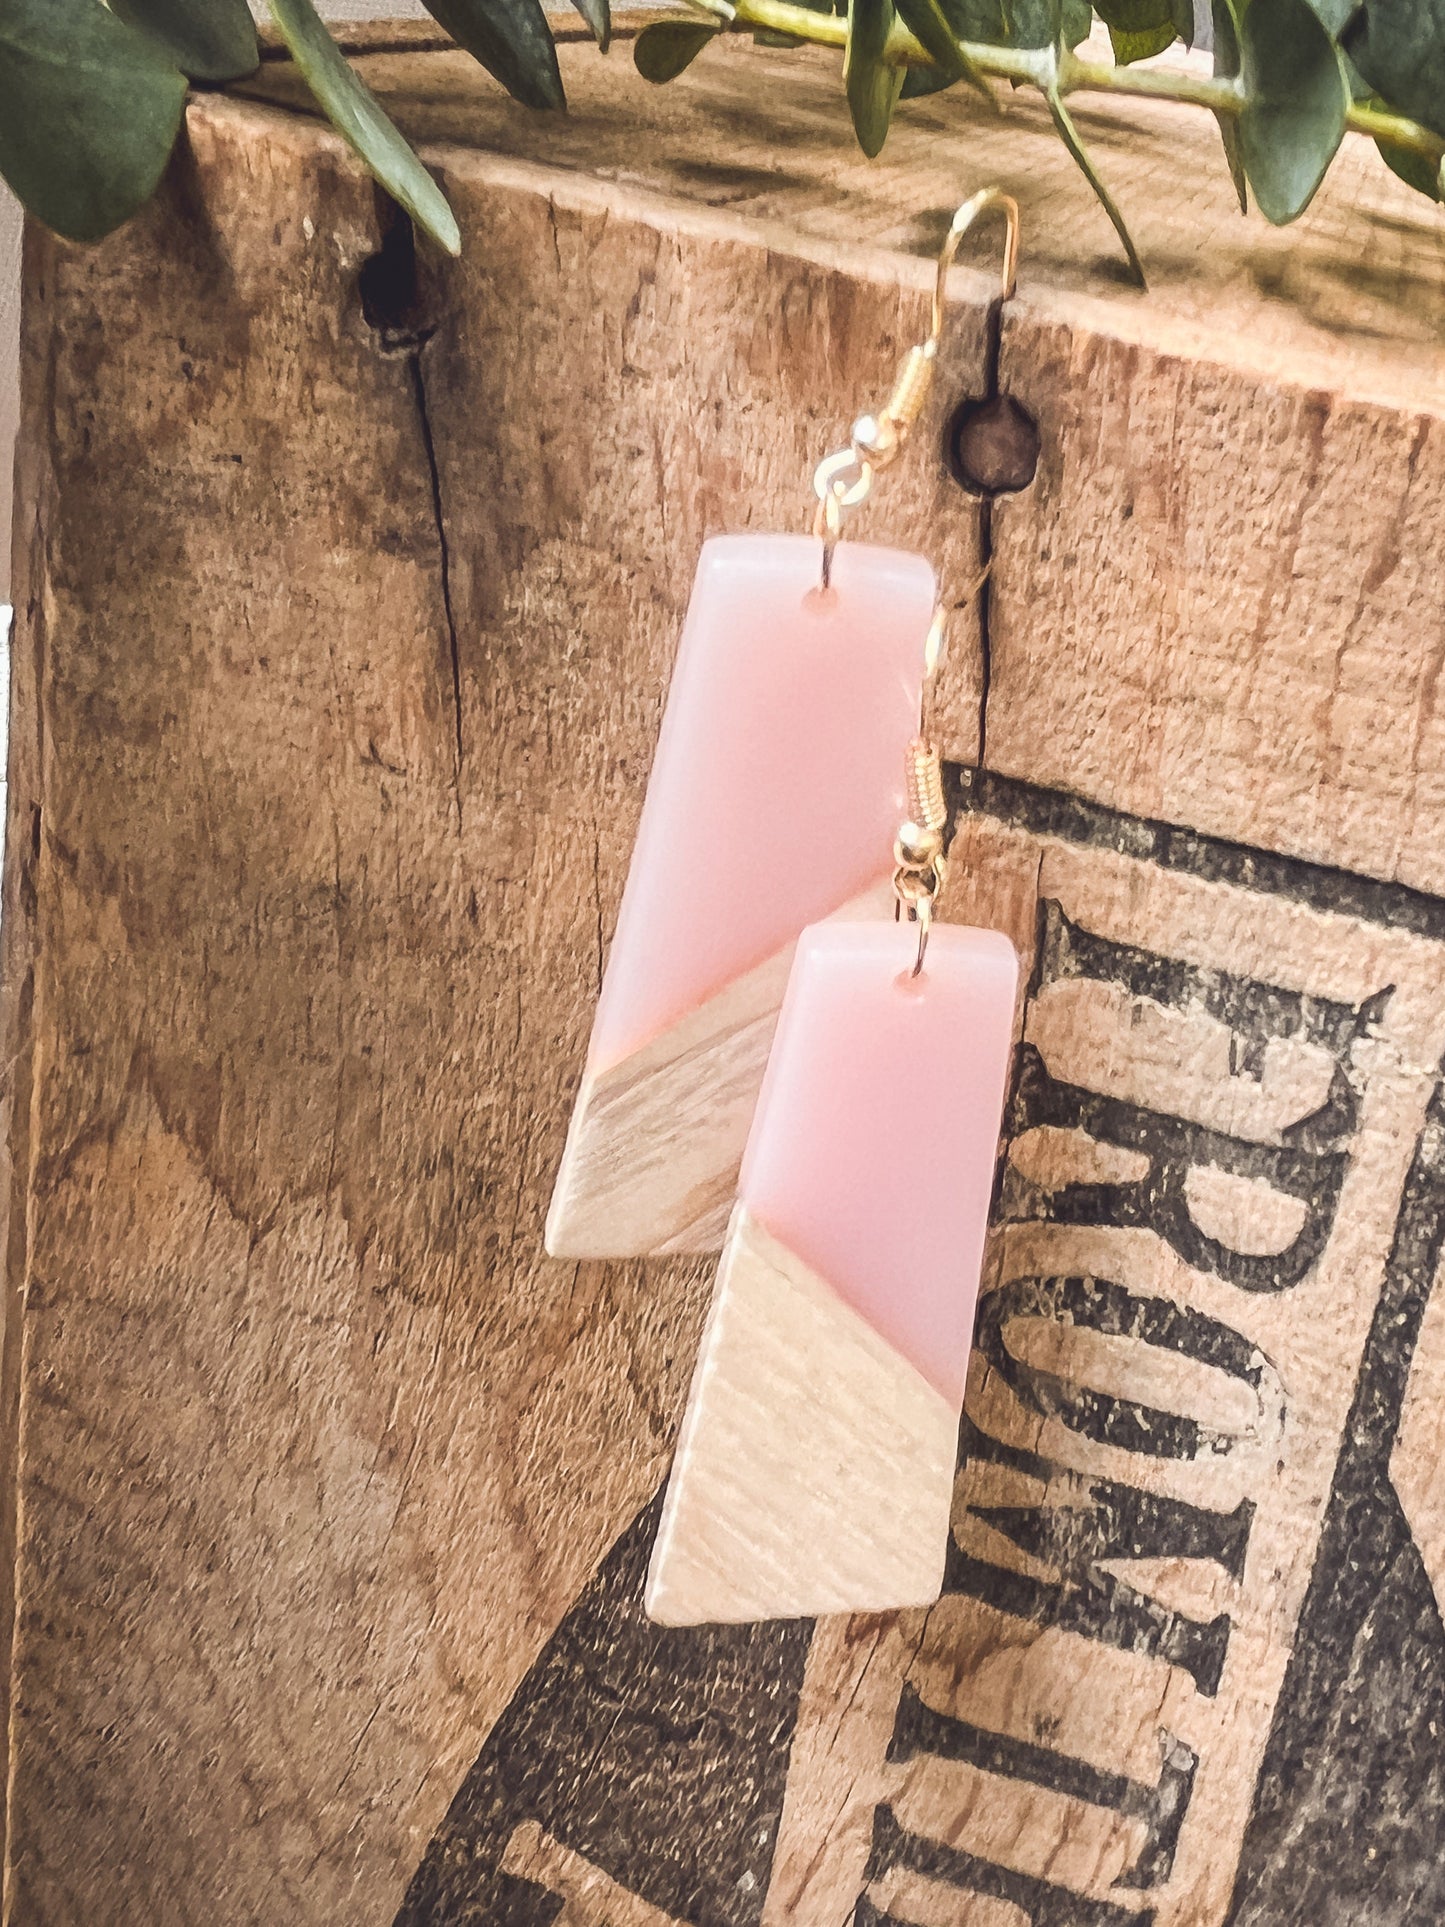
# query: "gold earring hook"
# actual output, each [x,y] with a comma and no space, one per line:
[986,199]
[845,478]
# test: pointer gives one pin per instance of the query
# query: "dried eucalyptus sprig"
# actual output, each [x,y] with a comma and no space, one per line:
[1290,76]
[91,96]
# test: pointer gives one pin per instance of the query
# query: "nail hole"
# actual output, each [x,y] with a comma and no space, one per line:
[394,300]
[992,446]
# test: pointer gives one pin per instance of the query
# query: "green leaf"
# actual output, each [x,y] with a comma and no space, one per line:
[1226,67]
[1335,15]
[89,112]
[1360,88]
[1425,176]
[1076,22]
[1399,47]
[981,20]
[1045,23]
[1129,47]
[872,85]
[207,39]
[356,116]
[1138,28]
[598,15]
[926,21]
[663,50]
[1069,134]
[919,82]
[512,41]
[1296,101]
[1225,17]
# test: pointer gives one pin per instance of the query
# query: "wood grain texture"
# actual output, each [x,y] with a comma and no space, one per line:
[340,656]
[1263,662]
[305,1402]
[1346,298]
[814,1468]
[655,1143]
[1287,622]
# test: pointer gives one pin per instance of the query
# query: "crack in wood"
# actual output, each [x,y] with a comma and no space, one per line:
[428,442]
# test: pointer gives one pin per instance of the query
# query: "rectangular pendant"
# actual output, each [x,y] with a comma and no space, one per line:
[814,1472]
[773,801]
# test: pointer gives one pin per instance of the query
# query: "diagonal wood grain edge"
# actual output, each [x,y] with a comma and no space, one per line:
[655,1142]
[814,1472]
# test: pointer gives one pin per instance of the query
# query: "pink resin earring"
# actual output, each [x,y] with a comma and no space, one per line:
[710,914]
[815,1468]
[816,1462]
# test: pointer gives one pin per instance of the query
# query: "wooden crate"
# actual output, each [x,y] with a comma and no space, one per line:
[344,628]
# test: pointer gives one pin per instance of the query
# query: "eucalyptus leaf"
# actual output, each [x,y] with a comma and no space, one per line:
[662,51]
[919,82]
[207,39]
[872,85]
[512,41]
[1296,101]
[89,112]
[981,20]
[1226,67]
[1425,176]
[1138,28]
[598,15]
[1129,47]
[1335,15]
[1399,47]
[1360,88]
[926,21]
[355,114]
[1069,134]
[1046,23]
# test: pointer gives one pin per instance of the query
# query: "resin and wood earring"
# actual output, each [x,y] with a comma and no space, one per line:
[785,691]
[815,1468]
[799,668]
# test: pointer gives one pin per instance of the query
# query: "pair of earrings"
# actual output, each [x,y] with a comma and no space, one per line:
[792,1063]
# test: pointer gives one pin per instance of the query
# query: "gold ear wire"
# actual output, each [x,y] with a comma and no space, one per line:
[986,199]
[844,479]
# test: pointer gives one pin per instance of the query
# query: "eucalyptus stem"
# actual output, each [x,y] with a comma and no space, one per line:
[1065,72]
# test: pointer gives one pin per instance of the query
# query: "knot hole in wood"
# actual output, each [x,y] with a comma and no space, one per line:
[991,445]
[397,301]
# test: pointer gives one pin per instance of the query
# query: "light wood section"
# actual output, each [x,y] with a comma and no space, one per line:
[815,1465]
[655,1142]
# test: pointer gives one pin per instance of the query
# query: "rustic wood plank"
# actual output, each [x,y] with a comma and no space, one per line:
[293,901]
[1245,617]
[1261,659]
[341,652]
[1349,297]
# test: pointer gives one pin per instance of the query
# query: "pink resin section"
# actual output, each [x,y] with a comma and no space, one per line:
[874,1143]
[778,781]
